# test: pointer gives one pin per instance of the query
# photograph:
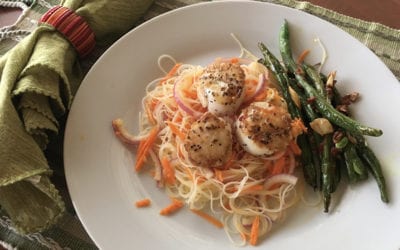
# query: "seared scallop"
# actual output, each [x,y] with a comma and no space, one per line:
[264,129]
[221,87]
[209,141]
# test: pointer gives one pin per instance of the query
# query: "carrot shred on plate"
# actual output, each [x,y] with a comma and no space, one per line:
[143,203]
[218,175]
[168,171]
[298,127]
[176,131]
[190,94]
[171,73]
[252,189]
[172,208]
[261,96]
[208,218]
[144,147]
[255,227]
[234,60]
[303,56]
[279,166]
[295,148]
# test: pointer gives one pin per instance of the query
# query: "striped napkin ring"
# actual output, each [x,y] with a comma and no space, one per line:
[73,27]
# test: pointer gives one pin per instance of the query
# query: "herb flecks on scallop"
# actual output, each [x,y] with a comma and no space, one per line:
[209,141]
[264,129]
[221,87]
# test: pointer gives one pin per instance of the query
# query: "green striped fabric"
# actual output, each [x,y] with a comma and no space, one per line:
[382,40]
[68,233]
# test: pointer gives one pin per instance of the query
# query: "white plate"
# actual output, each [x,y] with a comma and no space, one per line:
[99,169]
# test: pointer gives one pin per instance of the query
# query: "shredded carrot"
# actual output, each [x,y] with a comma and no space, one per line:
[252,189]
[229,163]
[171,208]
[278,166]
[218,175]
[250,86]
[143,203]
[200,179]
[208,218]
[144,147]
[234,60]
[231,189]
[298,127]
[190,94]
[176,130]
[171,73]
[254,231]
[178,117]
[198,107]
[140,155]
[261,96]
[295,148]
[303,56]
[247,190]
[168,171]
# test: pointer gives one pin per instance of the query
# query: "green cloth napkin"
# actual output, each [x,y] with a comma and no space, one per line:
[68,233]
[382,40]
[39,78]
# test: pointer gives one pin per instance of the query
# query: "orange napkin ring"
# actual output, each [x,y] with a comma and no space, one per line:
[73,27]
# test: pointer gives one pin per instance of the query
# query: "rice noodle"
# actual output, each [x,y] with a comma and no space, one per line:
[231,193]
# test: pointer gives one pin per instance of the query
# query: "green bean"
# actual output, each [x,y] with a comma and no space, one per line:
[308,109]
[273,64]
[309,168]
[351,174]
[328,168]
[322,169]
[315,77]
[355,167]
[325,108]
[358,165]
[368,156]
[314,138]
[340,166]
[375,168]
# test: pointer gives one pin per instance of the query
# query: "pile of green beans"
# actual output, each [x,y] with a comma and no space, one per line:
[324,157]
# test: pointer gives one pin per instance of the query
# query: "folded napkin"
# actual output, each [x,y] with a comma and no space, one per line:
[39,78]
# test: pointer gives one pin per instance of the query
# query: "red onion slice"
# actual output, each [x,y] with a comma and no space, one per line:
[260,86]
[181,103]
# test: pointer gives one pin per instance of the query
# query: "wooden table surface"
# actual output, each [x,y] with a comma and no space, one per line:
[382,11]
